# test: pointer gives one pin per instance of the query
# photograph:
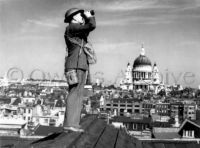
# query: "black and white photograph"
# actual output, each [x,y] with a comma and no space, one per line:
[99,73]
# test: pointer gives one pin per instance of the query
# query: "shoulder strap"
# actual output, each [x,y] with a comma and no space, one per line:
[73,40]
[80,51]
[81,47]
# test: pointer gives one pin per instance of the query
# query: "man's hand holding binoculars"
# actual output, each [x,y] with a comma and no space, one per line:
[89,13]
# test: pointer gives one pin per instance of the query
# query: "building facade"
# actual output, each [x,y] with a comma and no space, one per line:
[127,82]
[142,71]
[122,106]
[177,110]
[162,109]
[144,75]
[189,111]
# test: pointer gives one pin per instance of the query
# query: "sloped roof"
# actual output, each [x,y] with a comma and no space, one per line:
[169,135]
[195,123]
[165,133]
[46,130]
[97,134]
[169,144]
[17,101]
[100,135]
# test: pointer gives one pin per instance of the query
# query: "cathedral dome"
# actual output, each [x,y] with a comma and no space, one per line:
[142,60]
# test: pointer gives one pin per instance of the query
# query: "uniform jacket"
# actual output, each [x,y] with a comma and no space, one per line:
[79,32]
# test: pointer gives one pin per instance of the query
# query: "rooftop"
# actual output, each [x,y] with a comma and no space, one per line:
[98,135]
[138,119]
[46,130]
[165,133]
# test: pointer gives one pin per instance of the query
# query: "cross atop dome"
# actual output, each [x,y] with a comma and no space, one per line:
[142,51]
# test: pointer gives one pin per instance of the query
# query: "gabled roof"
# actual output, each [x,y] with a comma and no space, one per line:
[195,123]
[16,101]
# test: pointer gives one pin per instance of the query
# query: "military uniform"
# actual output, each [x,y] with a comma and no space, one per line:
[76,59]
[78,32]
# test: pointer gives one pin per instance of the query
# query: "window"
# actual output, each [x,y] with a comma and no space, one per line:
[45,120]
[134,126]
[188,133]
[137,111]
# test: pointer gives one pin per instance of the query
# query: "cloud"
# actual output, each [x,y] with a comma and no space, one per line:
[116,48]
[134,20]
[150,12]
[114,5]
[127,5]
[192,43]
[131,5]
[45,23]
[37,26]
[1,1]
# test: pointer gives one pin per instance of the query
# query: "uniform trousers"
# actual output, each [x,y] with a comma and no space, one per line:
[74,102]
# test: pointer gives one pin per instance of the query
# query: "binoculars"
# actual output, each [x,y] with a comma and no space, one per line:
[92,12]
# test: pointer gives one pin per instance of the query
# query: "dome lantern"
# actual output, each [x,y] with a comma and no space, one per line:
[142,51]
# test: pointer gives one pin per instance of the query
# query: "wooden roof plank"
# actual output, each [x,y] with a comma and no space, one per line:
[147,145]
[91,136]
[169,145]
[108,138]
[50,137]
[159,145]
[192,145]
[124,141]
[180,145]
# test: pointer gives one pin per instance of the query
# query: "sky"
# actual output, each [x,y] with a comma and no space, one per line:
[32,37]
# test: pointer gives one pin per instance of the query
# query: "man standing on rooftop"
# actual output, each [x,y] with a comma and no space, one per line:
[81,23]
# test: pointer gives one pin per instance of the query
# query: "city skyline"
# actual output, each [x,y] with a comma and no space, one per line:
[32,36]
